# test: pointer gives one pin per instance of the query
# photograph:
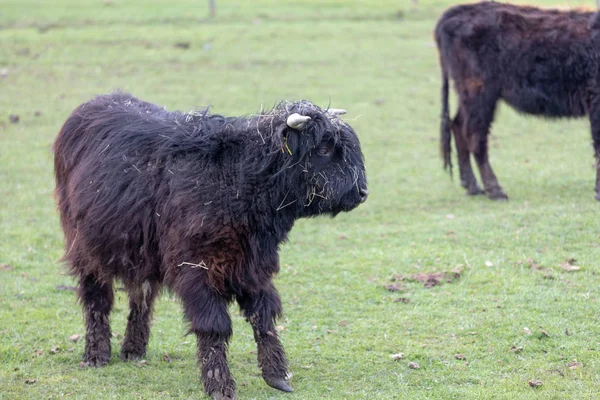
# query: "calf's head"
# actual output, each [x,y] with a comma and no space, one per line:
[324,165]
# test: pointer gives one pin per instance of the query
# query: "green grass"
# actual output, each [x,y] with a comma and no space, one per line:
[377,60]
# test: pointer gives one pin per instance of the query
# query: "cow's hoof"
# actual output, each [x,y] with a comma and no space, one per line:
[497,195]
[474,190]
[598,196]
[280,384]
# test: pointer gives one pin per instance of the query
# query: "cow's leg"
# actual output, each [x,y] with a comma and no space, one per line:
[212,354]
[209,320]
[595,125]
[261,310]
[467,177]
[97,299]
[597,153]
[479,115]
[141,300]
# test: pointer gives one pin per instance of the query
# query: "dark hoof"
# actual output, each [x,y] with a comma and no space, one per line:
[280,384]
[221,396]
[93,361]
[598,196]
[474,191]
[127,355]
[497,195]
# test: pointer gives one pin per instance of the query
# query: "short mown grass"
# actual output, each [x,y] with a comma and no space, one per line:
[515,314]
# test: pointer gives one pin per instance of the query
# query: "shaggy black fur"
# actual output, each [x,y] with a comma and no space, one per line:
[541,62]
[198,203]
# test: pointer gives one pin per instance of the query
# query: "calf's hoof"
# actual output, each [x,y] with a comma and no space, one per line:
[130,355]
[219,385]
[94,361]
[223,396]
[279,383]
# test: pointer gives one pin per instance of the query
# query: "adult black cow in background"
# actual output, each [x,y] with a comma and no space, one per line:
[198,203]
[541,62]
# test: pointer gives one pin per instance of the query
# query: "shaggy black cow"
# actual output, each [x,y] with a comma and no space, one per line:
[541,62]
[198,203]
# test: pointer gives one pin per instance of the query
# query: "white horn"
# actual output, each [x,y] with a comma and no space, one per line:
[297,121]
[336,111]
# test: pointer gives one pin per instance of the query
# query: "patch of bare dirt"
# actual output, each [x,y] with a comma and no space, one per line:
[5,267]
[437,278]
[429,279]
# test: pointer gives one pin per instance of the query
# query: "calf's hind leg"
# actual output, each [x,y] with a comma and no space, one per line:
[141,300]
[261,310]
[97,299]
[467,177]
[480,110]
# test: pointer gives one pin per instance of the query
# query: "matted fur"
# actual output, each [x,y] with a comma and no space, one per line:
[198,203]
[541,62]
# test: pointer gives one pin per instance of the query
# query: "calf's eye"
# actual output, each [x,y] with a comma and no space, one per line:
[325,149]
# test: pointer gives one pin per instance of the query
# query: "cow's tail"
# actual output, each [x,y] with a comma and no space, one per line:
[445,133]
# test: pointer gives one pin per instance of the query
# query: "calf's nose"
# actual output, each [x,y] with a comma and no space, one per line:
[363,193]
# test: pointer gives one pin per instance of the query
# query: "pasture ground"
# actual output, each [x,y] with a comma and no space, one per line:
[517,312]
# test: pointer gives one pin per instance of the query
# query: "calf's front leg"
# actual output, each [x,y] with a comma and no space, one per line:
[210,322]
[212,355]
[261,309]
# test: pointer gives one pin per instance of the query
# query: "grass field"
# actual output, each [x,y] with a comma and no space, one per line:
[515,313]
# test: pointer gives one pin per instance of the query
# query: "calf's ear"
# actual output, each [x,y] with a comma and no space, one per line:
[291,141]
